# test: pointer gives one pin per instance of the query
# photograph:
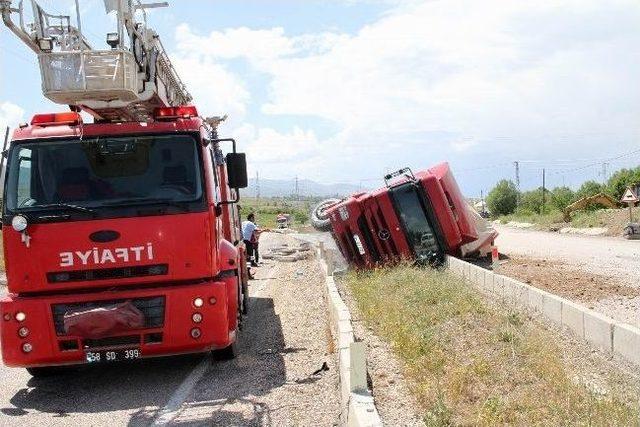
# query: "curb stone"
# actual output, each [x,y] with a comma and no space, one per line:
[619,338]
[357,405]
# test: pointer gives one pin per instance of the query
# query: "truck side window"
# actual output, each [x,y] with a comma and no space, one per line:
[24,177]
[215,176]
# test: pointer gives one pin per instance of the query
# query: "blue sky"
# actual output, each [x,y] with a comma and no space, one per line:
[342,91]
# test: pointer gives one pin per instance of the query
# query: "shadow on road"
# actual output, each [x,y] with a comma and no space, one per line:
[147,385]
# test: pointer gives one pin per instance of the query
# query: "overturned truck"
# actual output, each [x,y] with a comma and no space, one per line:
[420,217]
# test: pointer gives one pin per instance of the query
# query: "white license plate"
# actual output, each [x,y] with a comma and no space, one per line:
[107,356]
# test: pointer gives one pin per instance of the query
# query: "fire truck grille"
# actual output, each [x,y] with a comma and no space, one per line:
[107,273]
[152,308]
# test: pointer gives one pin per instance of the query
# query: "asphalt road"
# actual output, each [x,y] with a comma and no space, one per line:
[270,383]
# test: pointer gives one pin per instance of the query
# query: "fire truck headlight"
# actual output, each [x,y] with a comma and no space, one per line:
[196,333]
[198,302]
[19,223]
[20,316]
[26,347]
[23,332]
[197,317]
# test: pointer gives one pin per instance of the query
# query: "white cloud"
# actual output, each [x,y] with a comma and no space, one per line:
[10,115]
[437,78]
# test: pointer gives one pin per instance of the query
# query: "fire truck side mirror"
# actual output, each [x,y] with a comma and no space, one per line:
[237,170]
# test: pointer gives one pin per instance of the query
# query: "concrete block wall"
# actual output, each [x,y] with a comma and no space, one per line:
[358,407]
[598,329]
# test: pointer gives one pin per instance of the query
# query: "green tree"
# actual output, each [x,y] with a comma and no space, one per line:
[531,201]
[588,188]
[620,180]
[561,197]
[503,198]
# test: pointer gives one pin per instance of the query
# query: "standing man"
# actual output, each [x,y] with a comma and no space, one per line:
[248,229]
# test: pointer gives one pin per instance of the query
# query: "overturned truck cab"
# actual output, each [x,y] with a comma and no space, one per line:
[419,217]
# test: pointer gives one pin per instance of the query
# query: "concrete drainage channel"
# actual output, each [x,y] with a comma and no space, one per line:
[616,337]
[357,405]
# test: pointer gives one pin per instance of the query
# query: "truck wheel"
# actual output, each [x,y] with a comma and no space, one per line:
[319,218]
[245,299]
[227,353]
[45,372]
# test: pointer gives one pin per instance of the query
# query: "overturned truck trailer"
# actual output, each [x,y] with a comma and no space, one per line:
[419,217]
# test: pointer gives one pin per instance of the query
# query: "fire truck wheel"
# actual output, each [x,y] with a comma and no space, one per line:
[229,352]
[319,218]
[48,371]
[245,299]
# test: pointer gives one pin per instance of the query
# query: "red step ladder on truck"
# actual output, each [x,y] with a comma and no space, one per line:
[420,217]
[121,237]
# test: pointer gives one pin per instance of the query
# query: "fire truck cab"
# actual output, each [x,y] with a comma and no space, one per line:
[121,241]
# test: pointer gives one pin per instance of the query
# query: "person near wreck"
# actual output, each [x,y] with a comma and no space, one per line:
[250,235]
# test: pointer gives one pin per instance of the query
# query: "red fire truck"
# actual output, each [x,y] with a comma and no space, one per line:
[122,236]
[420,216]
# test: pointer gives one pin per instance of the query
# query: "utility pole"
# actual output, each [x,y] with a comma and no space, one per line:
[517,165]
[544,189]
[257,186]
[297,190]
[604,172]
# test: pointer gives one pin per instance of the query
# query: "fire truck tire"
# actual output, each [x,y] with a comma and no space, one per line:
[319,218]
[228,353]
[47,371]
[245,298]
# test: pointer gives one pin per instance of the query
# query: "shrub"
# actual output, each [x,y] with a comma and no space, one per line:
[301,217]
[503,198]
[622,179]
[588,188]
[562,197]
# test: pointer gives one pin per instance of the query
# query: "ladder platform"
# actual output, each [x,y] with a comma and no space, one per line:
[89,77]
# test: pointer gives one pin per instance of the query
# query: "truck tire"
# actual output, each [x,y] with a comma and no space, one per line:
[319,218]
[228,353]
[47,371]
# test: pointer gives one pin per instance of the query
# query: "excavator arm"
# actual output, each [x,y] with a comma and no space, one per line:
[596,199]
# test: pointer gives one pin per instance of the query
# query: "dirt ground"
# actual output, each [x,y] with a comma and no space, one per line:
[562,279]
[599,272]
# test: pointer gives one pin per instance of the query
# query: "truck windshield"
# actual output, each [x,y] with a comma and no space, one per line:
[420,234]
[103,174]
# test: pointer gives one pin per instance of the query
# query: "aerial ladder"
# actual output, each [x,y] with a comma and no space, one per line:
[125,82]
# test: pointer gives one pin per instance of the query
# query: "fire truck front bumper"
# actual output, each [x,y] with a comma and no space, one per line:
[177,320]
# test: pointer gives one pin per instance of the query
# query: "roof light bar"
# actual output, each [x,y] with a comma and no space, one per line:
[169,113]
[56,119]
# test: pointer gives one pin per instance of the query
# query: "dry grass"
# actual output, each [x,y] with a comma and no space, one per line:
[472,364]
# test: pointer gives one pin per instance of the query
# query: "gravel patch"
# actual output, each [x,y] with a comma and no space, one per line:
[286,374]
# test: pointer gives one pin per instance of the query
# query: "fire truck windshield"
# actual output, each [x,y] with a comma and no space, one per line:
[110,176]
[420,234]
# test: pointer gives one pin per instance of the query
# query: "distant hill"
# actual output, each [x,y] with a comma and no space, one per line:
[284,188]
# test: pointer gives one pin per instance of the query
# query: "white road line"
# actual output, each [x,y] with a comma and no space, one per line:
[172,409]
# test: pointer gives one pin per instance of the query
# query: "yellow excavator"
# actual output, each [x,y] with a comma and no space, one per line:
[596,199]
